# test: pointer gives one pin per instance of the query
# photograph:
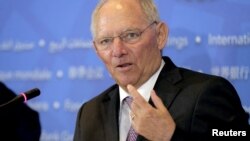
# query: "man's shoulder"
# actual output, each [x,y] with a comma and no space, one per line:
[97,102]
[176,74]
[105,95]
[197,76]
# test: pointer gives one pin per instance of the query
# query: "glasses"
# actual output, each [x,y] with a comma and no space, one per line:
[130,37]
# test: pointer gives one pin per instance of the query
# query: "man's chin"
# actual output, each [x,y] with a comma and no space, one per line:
[124,84]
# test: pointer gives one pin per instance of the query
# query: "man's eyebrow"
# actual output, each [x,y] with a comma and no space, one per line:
[131,29]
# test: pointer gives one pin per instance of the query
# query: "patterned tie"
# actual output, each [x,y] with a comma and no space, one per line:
[132,135]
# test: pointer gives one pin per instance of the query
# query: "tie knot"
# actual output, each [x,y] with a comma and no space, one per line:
[128,100]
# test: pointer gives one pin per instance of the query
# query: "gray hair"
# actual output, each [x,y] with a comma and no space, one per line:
[148,7]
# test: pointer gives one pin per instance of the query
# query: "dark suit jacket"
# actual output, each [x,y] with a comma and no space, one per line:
[197,102]
[17,122]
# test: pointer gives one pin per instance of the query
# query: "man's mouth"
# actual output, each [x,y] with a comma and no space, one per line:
[124,67]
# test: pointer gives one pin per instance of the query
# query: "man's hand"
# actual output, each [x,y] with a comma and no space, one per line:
[153,123]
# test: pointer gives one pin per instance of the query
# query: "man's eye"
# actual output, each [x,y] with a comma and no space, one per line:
[131,35]
[105,41]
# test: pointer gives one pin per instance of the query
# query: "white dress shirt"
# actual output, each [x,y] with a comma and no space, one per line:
[124,115]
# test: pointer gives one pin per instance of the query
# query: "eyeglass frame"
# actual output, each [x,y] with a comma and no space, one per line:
[122,36]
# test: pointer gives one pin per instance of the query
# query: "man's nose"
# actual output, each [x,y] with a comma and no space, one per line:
[119,48]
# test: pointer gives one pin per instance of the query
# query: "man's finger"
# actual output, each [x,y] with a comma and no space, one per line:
[138,100]
[132,91]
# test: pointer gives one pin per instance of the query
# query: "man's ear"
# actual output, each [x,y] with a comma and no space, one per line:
[162,34]
[94,46]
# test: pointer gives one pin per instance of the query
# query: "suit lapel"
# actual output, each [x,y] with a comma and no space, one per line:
[110,115]
[165,85]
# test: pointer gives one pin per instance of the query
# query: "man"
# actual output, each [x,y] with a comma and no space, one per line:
[17,122]
[168,102]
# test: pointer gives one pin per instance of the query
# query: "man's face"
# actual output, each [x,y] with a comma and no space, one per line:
[128,63]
